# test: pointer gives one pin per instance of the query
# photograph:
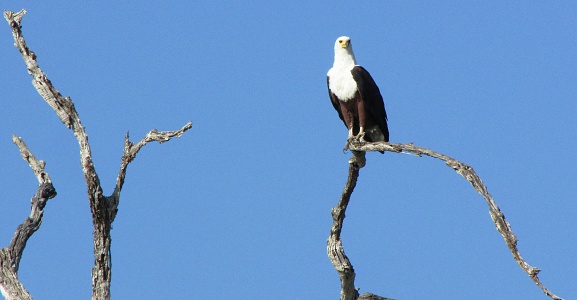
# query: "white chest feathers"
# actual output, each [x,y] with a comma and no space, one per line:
[342,83]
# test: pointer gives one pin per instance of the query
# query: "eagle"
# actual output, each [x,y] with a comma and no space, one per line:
[356,97]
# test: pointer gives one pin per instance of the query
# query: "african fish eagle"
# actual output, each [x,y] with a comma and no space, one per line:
[356,97]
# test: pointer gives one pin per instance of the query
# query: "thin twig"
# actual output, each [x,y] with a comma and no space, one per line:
[129,154]
[131,149]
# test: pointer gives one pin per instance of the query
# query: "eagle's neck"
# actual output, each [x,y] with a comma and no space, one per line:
[344,59]
[341,81]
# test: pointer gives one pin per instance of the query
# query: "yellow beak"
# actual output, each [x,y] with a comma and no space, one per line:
[344,43]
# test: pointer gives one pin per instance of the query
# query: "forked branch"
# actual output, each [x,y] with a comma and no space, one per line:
[131,149]
[103,208]
[129,154]
[344,267]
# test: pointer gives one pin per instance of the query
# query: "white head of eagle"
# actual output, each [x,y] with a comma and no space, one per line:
[355,96]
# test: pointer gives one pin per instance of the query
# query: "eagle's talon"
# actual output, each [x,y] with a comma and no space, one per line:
[361,137]
[347,144]
[351,141]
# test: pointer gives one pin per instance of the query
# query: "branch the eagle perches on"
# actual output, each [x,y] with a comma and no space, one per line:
[335,249]
[103,208]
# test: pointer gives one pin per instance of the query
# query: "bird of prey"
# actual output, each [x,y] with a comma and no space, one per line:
[356,97]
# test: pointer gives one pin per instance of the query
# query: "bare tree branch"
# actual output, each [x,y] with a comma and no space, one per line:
[10,287]
[334,246]
[45,191]
[130,151]
[335,249]
[104,209]
[10,257]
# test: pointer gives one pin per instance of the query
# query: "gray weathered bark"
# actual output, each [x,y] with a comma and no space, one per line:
[334,245]
[103,208]
[10,257]
[335,249]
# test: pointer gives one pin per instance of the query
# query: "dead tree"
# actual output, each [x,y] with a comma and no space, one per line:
[103,208]
[335,249]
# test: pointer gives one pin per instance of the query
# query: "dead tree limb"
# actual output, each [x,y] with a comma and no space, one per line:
[462,169]
[103,208]
[335,249]
[10,257]
[130,151]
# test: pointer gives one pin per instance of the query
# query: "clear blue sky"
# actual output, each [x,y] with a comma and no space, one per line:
[239,207]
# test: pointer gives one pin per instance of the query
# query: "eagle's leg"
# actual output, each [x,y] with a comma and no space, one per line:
[362,120]
[349,120]
[361,135]
[351,136]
